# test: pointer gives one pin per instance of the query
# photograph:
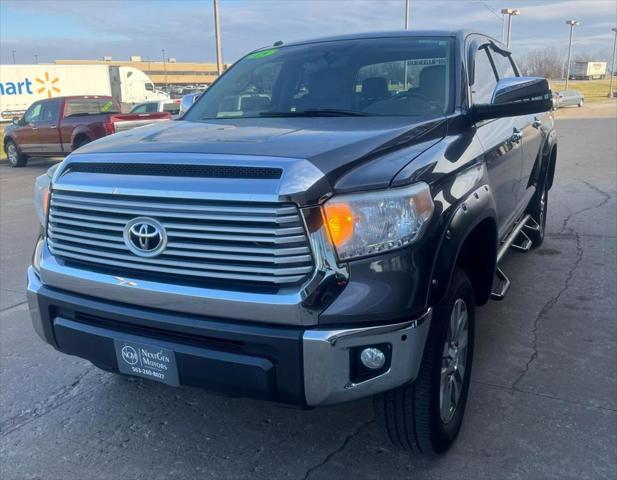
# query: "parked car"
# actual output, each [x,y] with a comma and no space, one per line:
[330,244]
[58,126]
[170,106]
[569,98]
[187,102]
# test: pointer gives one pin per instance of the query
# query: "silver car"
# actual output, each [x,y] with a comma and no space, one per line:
[187,101]
[569,98]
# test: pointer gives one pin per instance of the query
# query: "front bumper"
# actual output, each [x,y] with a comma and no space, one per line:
[292,365]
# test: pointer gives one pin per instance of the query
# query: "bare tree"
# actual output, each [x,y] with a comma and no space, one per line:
[546,63]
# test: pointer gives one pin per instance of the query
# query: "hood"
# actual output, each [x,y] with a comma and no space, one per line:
[335,145]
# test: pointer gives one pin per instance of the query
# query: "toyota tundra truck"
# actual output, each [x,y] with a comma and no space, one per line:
[319,227]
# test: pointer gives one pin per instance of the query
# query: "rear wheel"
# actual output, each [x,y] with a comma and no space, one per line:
[426,416]
[80,142]
[15,157]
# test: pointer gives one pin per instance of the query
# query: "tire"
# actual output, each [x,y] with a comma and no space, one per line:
[538,209]
[414,416]
[14,156]
[581,103]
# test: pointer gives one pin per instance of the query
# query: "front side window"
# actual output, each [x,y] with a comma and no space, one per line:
[34,113]
[149,87]
[503,64]
[484,78]
[406,76]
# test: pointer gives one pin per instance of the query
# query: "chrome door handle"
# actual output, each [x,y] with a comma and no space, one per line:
[517,135]
[537,123]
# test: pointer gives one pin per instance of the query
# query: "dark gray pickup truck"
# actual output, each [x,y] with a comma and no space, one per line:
[319,227]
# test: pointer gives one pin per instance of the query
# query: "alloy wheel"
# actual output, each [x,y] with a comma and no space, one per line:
[454,361]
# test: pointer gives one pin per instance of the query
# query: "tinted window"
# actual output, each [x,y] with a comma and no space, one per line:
[172,108]
[90,106]
[140,108]
[503,65]
[50,110]
[149,87]
[484,78]
[379,76]
[34,113]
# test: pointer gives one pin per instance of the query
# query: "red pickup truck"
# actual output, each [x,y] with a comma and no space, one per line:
[58,126]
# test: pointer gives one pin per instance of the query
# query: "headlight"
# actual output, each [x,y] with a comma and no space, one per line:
[373,222]
[42,186]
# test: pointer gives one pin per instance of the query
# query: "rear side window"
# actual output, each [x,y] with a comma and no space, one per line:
[503,64]
[50,110]
[485,80]
[90,106]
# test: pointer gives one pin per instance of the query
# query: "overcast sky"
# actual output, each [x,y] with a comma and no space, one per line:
[90,29]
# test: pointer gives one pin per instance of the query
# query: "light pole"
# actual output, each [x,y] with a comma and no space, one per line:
[406,14]
[405,83]
[502,19]
[612,72]
[165,68]
[36,59]
[572,23]
[510,12]
[217,38]
[13,53]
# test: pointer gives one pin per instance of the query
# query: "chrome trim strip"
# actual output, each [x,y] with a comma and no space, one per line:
[326,359]
[289,306]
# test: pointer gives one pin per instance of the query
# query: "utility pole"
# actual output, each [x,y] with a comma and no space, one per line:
[36,59]
[510,12]
[612,72]
[217,37]
[13,53]
[165,68]
[502,19]
[572,23]
[405,83]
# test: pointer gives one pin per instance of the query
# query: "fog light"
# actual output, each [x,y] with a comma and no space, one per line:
[372,358]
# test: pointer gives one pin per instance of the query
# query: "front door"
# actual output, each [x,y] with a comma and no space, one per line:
[26,134]
[501,139]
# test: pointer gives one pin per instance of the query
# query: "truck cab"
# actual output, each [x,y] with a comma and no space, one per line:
[319,227]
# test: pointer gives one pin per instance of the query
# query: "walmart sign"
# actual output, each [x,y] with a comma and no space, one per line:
[16,88]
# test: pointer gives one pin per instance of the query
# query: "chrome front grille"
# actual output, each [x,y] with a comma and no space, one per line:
[248,243]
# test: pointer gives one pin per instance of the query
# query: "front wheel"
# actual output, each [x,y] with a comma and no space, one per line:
[426,416]
[538,210]
[581,103]
[14,156]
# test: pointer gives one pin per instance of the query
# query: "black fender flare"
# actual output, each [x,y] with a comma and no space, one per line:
[476,207]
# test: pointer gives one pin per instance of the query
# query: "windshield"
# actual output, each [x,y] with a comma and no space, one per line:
[378,76]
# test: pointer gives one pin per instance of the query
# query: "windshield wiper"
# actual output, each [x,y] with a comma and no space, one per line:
[315,112]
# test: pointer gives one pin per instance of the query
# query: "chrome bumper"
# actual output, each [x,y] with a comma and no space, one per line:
[327,365]
[325,354]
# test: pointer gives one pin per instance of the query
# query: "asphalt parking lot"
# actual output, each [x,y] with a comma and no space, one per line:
[543,398]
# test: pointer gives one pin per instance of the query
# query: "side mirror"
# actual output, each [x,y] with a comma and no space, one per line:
[516,96]
[16,120]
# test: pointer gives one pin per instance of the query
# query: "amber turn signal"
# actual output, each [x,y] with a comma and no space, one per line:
[339,219]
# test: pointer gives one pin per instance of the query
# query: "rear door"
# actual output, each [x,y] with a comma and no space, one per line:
[48,127]
[529,125]
[500,139]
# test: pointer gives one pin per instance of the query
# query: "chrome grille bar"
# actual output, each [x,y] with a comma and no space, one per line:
[242,242]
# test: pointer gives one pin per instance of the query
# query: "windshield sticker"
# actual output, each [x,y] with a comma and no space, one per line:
[107,106]
[263,53]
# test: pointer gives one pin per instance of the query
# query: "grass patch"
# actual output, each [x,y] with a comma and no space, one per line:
[2,154]
[593,90]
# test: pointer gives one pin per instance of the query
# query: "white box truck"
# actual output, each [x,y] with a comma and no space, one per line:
[21,85]
[587,70]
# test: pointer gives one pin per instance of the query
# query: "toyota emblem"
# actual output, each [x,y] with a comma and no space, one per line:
[145,237]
